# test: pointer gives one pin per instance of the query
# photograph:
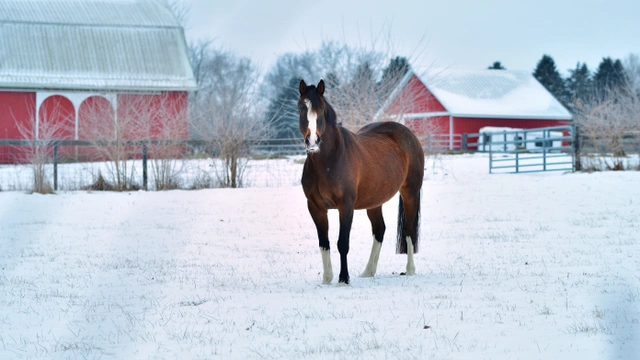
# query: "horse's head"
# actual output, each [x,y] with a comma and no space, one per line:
[313,111]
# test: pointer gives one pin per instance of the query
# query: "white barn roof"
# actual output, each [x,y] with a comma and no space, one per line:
[97,44]
[493,94]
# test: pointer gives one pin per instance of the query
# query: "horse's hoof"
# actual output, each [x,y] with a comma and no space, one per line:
[344,281]
[367,274]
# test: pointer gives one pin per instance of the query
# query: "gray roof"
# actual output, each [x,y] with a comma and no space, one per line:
[92,44]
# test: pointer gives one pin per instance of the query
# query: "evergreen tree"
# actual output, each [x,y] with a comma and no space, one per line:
[395,71]
[579,83]
[391,77]
[283,111]
[609,76]
[548,75]
[497,66]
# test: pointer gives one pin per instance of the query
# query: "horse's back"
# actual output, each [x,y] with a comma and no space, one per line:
[401,135]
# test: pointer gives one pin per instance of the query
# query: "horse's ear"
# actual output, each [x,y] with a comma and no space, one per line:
[303,87]
[321,87]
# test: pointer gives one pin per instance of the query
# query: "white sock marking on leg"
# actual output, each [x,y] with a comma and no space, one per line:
[411,266]
[327,275]
[372,265]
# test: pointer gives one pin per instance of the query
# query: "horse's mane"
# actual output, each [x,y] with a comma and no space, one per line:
[331,116]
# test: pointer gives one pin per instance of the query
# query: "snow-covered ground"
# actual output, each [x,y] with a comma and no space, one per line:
[527,266]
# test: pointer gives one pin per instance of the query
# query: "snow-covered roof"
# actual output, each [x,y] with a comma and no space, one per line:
[493,93]
[98,44]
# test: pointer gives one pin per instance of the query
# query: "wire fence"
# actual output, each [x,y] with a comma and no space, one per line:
[78,164]
[276,162]
[533,150]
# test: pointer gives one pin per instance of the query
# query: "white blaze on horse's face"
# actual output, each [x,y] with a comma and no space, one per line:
[313,146]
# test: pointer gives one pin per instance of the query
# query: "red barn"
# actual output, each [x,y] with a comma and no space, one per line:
[93,70]
[443,105]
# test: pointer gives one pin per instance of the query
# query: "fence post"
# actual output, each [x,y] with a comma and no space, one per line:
[504,141]
[464,141]
[144,165]
[516,138]
[545,136]
[490,160]
[55,167]
[576,148]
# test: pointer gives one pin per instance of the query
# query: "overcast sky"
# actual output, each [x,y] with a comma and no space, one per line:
[469,34]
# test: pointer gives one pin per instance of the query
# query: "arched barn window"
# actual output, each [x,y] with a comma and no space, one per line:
[57,121]
[96,121]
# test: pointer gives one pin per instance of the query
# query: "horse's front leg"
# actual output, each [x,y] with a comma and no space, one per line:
[346,218]
[321,221]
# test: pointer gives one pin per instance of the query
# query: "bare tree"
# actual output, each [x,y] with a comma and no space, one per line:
[161,117]
[609,127]
[632,71]
[225,110]
[179,9]
[360,79]
[99,123]
[53,123]
[351,75]
[138,117]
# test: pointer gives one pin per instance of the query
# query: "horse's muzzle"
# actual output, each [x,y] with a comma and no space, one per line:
[312,148]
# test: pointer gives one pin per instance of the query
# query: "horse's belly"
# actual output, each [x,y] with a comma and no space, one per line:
[380,182]
[373,195]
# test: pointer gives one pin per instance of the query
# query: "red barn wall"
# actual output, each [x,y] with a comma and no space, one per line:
[415,98]
[17,109]
[473,125]
[161,116]
[424,126]
[439,125]
[434,126]
[157,117]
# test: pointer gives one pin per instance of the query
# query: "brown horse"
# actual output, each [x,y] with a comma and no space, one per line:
[348,172]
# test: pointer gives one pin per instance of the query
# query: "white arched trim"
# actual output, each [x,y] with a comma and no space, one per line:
[76,98]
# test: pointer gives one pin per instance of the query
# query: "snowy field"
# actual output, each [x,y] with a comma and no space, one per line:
[529,266]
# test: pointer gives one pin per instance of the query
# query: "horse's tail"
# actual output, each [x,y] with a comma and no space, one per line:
[408,226]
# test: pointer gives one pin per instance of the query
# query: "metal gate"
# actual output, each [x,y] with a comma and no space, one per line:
[531,150]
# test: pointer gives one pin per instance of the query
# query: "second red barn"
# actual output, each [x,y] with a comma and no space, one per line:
[441,105]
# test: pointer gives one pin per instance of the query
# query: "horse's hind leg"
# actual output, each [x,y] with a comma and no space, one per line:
[378,228]
[410,203]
